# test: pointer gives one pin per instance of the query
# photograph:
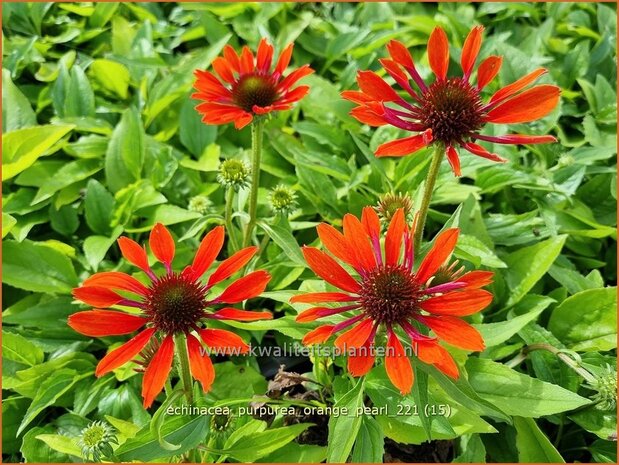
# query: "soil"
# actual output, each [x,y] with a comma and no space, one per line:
[428,452]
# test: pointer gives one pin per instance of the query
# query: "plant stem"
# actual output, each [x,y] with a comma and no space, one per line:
[183,361]
[229,226]
[256,146]
[435,166]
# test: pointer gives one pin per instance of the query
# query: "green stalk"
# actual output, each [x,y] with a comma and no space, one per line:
[183,362]
[435,166]
[256,146]
[228,215]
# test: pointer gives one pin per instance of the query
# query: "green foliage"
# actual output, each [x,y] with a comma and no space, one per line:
[101,139]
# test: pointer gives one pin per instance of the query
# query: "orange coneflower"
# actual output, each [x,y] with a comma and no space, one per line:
[389,293]
[247,86]
[170,304]
[450,111]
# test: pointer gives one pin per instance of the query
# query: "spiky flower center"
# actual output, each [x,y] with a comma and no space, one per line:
[390,294]
[175,304]
[254,89]
[453,109]
[389,203]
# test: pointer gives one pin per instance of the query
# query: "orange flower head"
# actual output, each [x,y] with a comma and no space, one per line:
[244,86]
[170,304]
[390,293]
[450,111]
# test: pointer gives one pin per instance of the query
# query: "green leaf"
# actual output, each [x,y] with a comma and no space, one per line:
[587,321]
[16,110]
[72,94]
[126,151]
[283,237]
[22,147]
[7,224]
[533,445]
[111,75]
[604,451]
[183,430]
[99,205]
[194,134]
[35,267]
[370,444]
[475,251]
[96,247]
[518,394]
[69,174]
[19,349]
[521,276]
[13,410]
[473,450]
[343,429]
[63,444]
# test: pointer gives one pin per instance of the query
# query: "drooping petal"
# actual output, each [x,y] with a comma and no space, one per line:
[162,244]
[404,146]
[208,84]
[116,280]
[244,288]
[329,270]
[394,237]
[458,303]
[318,335]
[476,279]
[292,96]
[488,70]
[359,242]
[371,222]
[368,116]
[264,56]
[373,85]
[207,252]
[355,337]
[98,323]
[97,296]
[217,113]
[124,353]
[517,139]
[480,151]
[455,331]
[400,54]
[224,342]
[157,372]
[231,265]
[442,248]
[530,105]
[432,353]
[438,53]
[470,49]
[320,297]
[134,253]
[454,160]
[294,77]
[200,363]
[284,60]
[241,315]
[356,96]
[361,360]
[515,87]
[336,243]
[397,364]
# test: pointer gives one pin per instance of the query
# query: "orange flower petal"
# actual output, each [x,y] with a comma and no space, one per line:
[284,60]
[432,353]
[397,364]
[247,60]
[438,53]
[454,160]
[443,247]
[356,97]
[470,49]
[264,56]
[97,323]
[124,353]
[232,57]
[515,87]
[456,332]
[373,85]
[393,239]
[116,280]
[162,244]
[530,105]
[476,279]
[480,151]
[488,70]
[370,221]
[207,252]
[319,297]
[405,146]
[355,337]
[329,270]
[157,372]
[97,296]
[336,243]
[134,253]
[368,116]
[362,360]
[294,77]
[200,363]
[458,303]
[359,242]
[311,314]
[231,265]
[224,342]
[224,69]
[318,335]
[244,288]
[241,315]
[400,54]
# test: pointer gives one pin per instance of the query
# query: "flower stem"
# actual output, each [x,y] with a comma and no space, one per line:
[183,361]
[229,225]
[435,166]
[256,146]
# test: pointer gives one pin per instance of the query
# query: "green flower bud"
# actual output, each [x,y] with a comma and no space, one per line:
[96,441]
[199,203]
[389,203]
[283,199]
[606,387]
[234,173]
